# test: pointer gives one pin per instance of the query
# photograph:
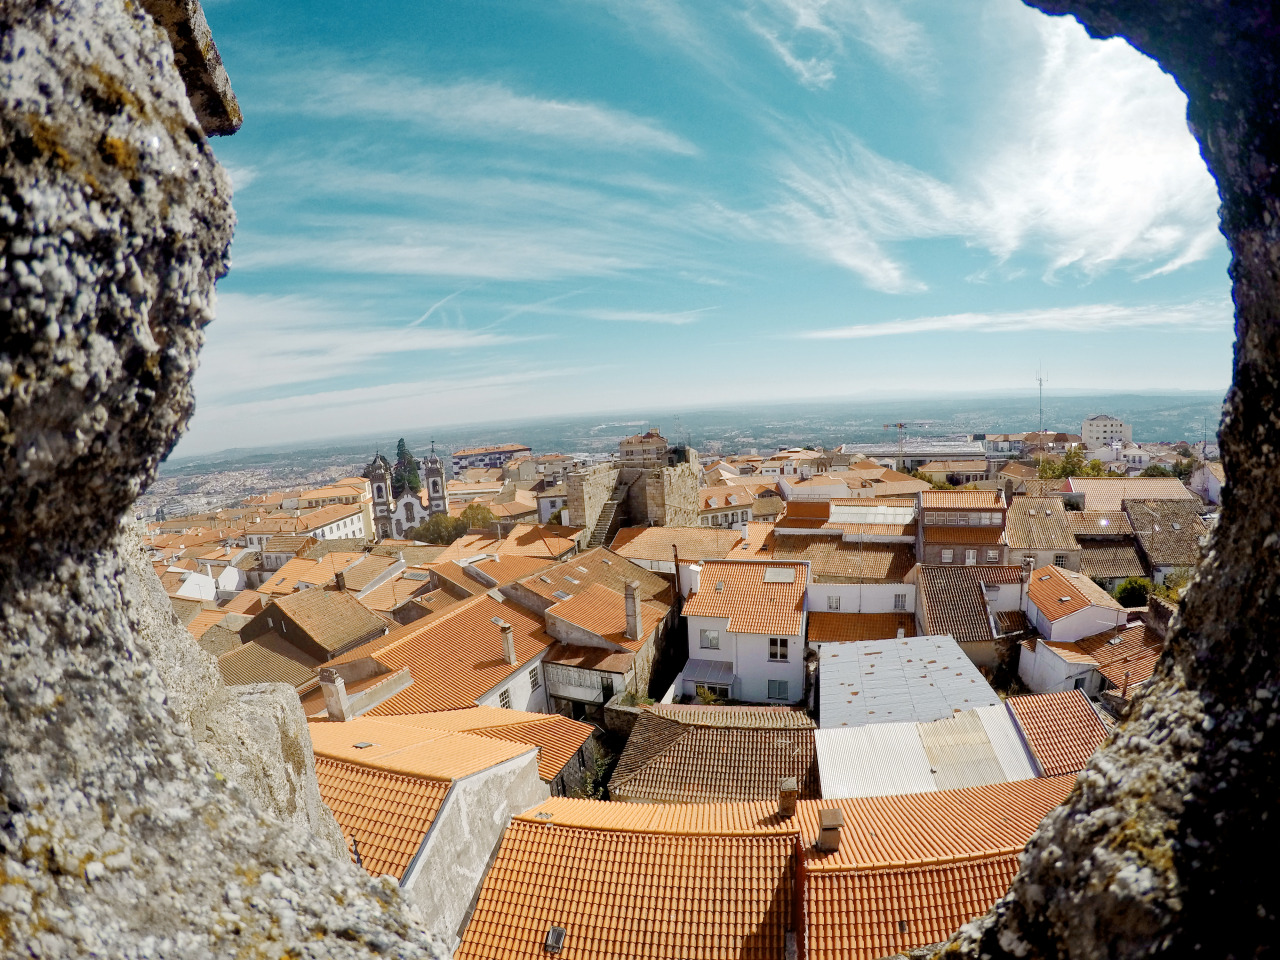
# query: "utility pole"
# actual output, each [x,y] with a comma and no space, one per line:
[1040,444]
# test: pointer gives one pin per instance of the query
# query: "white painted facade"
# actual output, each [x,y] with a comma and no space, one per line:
[350,525]
[1044,670]
[749,655]
[862,597]
[1075,626]
[1206,484]
[520,691]
[1102,430]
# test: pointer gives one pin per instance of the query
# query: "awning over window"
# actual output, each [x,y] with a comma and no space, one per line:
[709,671]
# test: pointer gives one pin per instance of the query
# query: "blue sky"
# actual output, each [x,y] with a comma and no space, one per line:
[468,211]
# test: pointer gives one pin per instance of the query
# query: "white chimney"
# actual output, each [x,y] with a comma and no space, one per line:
[633,611]
[508,641]
[334,689]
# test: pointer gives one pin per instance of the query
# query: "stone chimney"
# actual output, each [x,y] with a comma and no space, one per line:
[830,820]
[1028,564]
[334,689]
[508,641]
[788,793]
[340,580]
[633,611]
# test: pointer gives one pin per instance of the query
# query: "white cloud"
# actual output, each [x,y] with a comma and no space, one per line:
[261,343]
[488,111]
[1089,167]
[1089,318]
[241,176]
[809,35]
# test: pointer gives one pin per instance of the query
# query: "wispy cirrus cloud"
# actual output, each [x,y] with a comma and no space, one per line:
[1211,314]
[811,36]
[480,110]
[1092,169]
[285,345]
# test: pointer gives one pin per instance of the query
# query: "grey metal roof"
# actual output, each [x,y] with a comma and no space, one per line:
[708,671]
[916,679]
[968,749]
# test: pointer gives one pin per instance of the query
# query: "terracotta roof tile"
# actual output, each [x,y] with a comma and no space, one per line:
[987,536]
[632,896]
[204,620]
[598,566]
[1038,523]
[1170,532]
[246,601]
[836,627]
[693,543]
[591,658]
[456,657]
[557,737]
[962,499]
[833,559]
[666,761]
[1135,650]
[738,591]
[1061,729]
[332,618]
[954,602]
[387,814]
[602,611]
[253,663]
[1099,523]
[1058,593]
[1113,557]
[745,717]
[1107,493]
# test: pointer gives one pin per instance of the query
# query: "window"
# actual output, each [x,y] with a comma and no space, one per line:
[899,601]
[948,555]
[709,639]
[706,521]
[970,557]
[1080,683]
[833,603]
[778,690]
[993,556]
[1059,559]
[711,690]
[504,699]
[778,648]
[534,683]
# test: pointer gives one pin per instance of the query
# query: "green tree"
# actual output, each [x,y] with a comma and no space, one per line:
[1175,584]
[477,516]
[439,528]
[1183,469]
[1133,591]
[1156,470]
[1094,468]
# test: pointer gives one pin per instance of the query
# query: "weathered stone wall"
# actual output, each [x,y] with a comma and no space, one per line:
[588,491]
[680,496]
[122,830]
[1164,847]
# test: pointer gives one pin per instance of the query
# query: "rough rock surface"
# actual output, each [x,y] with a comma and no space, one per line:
[1166,845]
[117,837]
[256,736]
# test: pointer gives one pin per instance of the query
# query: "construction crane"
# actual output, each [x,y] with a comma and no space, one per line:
[902,426]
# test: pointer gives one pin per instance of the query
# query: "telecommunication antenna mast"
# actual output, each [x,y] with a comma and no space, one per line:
[902,426]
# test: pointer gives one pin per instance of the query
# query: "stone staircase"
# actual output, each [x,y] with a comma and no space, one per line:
[607,525]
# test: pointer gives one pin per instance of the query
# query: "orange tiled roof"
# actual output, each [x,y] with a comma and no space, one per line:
[332,618]
[737,591]
[205,619]
[247,601]
[632,895]
[396,744]
[836,627]
[962,499]
[601,566]
[1137,652]
[388,814]
[253,663]
[1061,729]
[987,536]
[832,558]
[387,596]
[604,612]
[1107,493]
[1058,593]
[557,737]
[457,656]
[692,543]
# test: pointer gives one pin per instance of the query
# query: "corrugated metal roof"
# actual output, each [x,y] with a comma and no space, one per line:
[876,760]
[881,681]
[970,749]
[1010,748]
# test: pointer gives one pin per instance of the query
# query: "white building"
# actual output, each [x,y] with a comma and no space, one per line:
[1101,430]
[1066,606]
[746,631]
[1208,481]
